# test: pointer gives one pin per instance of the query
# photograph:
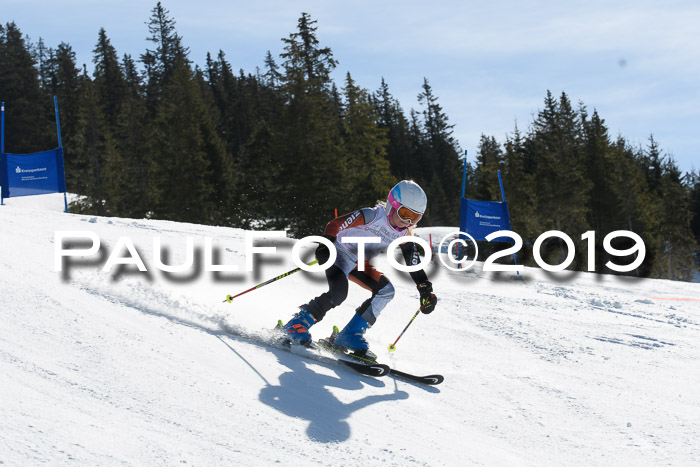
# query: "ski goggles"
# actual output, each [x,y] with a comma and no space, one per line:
[403,212]
[406,214]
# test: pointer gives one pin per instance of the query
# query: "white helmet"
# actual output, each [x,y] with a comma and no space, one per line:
[408,194]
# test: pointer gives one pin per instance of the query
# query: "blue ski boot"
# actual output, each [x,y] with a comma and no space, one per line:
[352,338]
[297,329]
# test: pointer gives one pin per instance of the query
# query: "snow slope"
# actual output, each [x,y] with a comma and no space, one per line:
[137,368]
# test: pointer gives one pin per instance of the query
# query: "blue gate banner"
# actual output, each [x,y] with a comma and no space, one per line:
[32,174]
[480,218]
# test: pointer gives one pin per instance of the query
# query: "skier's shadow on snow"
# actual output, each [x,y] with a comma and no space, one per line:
[305,394]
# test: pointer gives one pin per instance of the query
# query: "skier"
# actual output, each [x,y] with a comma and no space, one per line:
[405,206]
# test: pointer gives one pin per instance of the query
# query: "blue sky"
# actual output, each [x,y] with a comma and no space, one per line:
[489,62]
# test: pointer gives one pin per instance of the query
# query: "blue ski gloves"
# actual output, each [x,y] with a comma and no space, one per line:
[428,300]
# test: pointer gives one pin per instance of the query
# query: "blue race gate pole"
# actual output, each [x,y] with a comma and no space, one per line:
[58,123]
[464,190]
[503,193]
[2,142]
[2,135]
[503,197]
[464,174]
[60,146]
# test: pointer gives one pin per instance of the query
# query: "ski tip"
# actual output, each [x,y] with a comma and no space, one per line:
[433,379]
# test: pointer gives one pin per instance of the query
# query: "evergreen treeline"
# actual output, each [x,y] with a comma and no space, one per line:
[568,174]
[157,136]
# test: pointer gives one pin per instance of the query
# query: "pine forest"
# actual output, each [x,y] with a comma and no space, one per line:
[159,136]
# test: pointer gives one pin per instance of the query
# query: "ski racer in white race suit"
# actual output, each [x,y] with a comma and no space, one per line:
[406,204]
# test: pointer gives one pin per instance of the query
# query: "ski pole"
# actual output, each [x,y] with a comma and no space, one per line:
[229,298]
[392,347]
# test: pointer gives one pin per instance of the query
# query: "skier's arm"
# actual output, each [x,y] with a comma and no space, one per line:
[352,219]
[411,257]
[346,221]
[428,300]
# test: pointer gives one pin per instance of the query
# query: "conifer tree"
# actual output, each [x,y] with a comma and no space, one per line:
[189,159]
[44,58]
[439,160]
[132,131]
[247,113]
[272,75]
[678,243]
[169,52]
[519,184]
[93,145]
[652,162]
[27,128]
[563,188]
[630,206]
[489,161]
[418,145]
[182,171]
[132,77]
[598,162]
[118,92]
[694,185]
[222,176]
[224,89]
[110,92]
[364,145]
[390,116]
[61,78]
[308,139]
[109,81]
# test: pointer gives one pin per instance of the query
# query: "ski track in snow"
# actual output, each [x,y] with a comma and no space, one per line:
[153,369]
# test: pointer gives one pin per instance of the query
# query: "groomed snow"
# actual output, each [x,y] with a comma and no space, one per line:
[137,369]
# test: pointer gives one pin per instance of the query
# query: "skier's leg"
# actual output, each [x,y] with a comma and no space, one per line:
[297,329]
[337,293]
[352,335]
[382,292]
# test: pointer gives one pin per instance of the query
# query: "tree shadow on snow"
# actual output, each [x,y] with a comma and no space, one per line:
[305,394]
